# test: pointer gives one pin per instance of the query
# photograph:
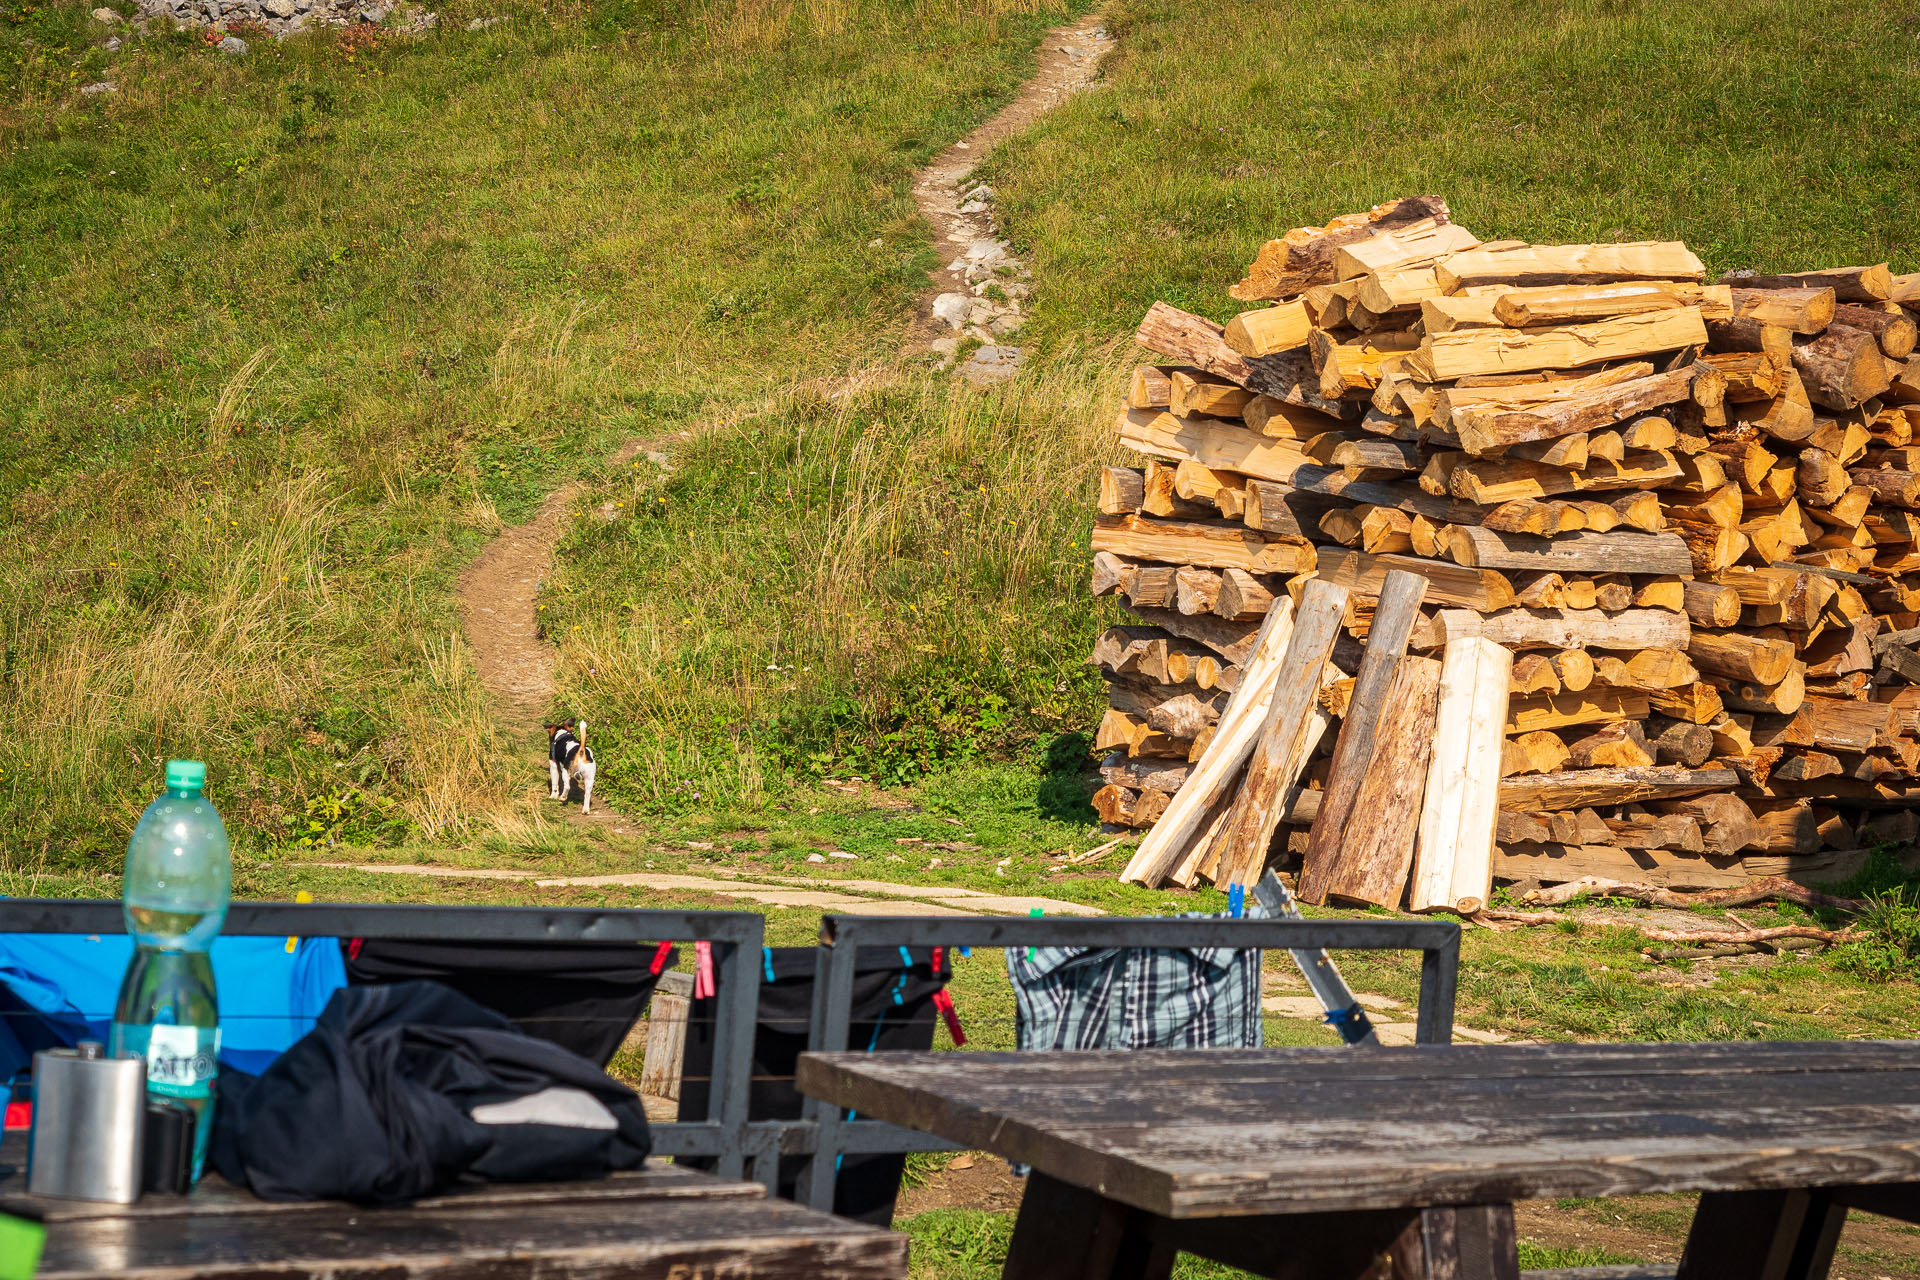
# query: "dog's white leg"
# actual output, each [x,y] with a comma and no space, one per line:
[553,781]
[586,783]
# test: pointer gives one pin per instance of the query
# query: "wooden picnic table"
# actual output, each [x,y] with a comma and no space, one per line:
[1317,1163]
[658,1223]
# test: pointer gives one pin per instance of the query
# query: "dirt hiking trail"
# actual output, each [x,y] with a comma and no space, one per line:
[498,590]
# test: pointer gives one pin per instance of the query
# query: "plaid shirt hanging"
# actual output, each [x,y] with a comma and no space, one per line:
[1136,998]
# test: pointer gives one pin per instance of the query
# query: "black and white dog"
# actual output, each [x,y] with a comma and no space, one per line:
[568,758]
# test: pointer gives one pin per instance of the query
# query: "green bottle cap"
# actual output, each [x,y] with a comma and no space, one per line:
[186,775]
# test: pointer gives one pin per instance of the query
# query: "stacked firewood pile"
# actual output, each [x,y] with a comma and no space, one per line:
[1685,515]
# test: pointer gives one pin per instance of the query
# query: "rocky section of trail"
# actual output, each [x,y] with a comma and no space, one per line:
[976,304]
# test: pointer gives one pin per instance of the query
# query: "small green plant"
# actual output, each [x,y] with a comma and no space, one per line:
[1890,947]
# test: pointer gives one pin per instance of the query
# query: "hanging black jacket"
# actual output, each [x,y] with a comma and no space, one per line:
[403,1091]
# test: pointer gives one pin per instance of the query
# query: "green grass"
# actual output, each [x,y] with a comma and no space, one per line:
[283,338]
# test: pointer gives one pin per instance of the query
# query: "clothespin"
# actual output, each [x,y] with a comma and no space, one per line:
[766,962]
[302,896]
[943,1001]
[1236,900]
[660,958]
[1036,911]
[703,983]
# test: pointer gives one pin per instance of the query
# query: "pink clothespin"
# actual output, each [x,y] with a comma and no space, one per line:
[703,984]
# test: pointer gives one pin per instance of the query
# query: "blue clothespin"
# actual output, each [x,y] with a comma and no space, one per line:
[1037,911]
[766,959]
[966,953]
[1236,900]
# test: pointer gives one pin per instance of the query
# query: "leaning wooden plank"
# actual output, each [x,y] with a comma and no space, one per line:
[1562,264]
[1445,356]
[1394,617]
[1453,855]
[1560,628]
[1575,788]
[1371,860]
[1242,844]
[1233,740]
[1363,575]
[1580,552]
[1484,428]
[1211,443]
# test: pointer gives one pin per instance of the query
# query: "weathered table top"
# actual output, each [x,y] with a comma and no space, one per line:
[662,1221]
[1195,1134]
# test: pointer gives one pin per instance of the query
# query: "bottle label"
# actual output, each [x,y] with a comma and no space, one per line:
[182,1061]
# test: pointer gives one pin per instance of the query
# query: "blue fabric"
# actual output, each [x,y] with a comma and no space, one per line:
[57,989]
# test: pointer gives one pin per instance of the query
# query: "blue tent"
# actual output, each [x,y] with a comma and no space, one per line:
[58,989]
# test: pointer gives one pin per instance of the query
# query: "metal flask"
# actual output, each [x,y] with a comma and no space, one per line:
[89,1124]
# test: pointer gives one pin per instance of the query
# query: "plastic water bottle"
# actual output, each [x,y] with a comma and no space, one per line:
[178,880]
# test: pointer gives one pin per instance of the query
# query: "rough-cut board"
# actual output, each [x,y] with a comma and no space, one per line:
[1279,757]
[1393,621]
[1444,356]
[1453,867]
[1233,740]
[1370,863]
[1584,551]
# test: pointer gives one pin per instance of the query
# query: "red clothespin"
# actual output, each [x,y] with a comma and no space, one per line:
[659,958]
[943,1001]
[703,984]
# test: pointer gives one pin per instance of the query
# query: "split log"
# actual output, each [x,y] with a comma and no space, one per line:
[1841,368]
[1394,617]
[1726,823]
[1239,728]
[1214,546]
[1363,575]
[1596,706]
[1849,284]
[1619,745]
[1575,788]
[1580,552]
[1267,331]
[1483,429]
[1894,331]
[1453,855]
[1561,304]
[1741,656]
[1304,257]
[1122,490]
[1561,628]
[1444,356]
[1799,310]
[1372,862]
[1711,604]
[1241,847]
[1568,264]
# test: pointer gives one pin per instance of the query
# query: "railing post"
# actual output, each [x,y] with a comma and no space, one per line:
[1439,972]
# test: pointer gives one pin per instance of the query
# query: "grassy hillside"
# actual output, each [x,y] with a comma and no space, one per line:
[785,616]
[284,337]
[1764,133]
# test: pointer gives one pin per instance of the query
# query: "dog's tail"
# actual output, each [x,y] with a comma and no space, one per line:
[580,730]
